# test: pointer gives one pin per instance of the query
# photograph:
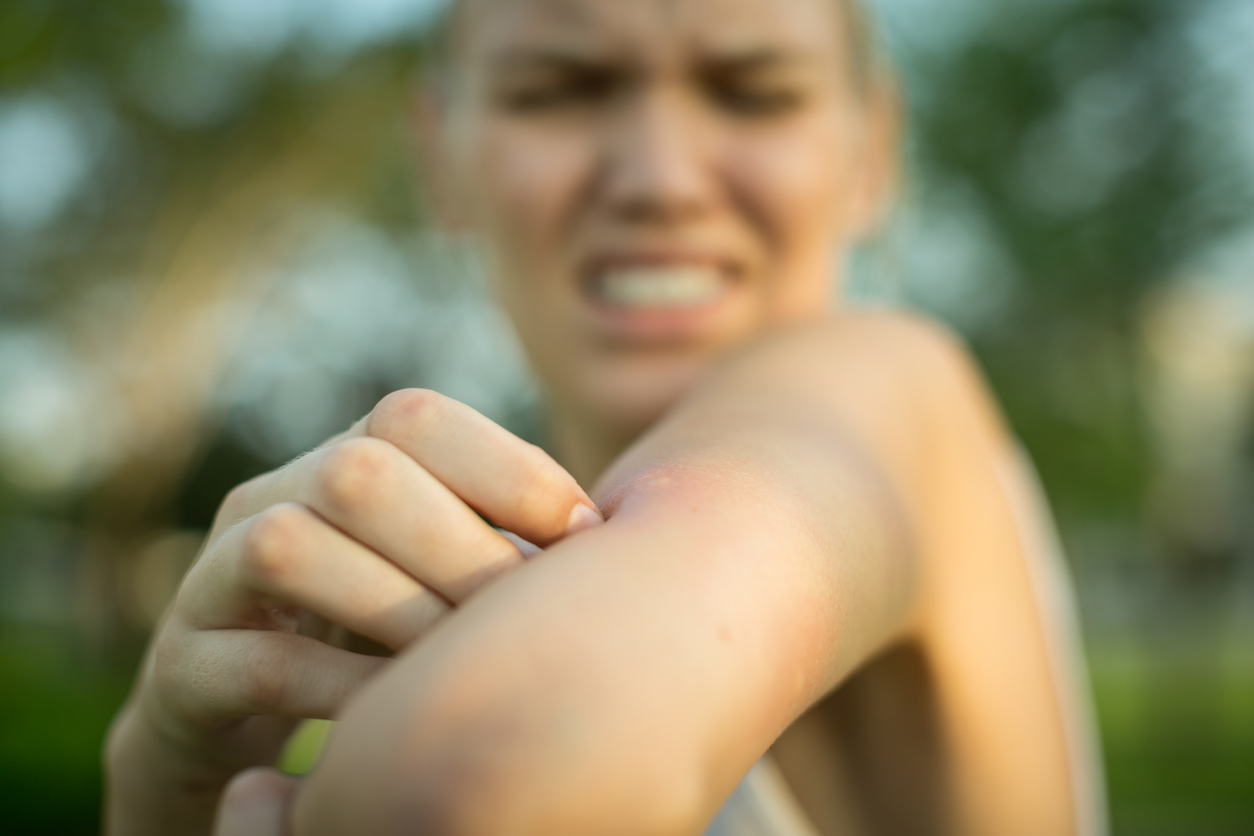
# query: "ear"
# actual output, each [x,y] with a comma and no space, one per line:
[880,176]
[429,124]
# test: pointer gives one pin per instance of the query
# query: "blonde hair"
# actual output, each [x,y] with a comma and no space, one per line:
[867,58]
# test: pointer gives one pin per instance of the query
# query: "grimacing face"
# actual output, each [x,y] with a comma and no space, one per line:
[656,181]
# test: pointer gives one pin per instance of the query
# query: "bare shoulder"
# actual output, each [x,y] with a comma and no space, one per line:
[920,349]
[910,347]
[931,360]
[900,380]
[892,329]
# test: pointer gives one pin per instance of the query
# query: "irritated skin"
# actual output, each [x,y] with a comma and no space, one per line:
[830,492]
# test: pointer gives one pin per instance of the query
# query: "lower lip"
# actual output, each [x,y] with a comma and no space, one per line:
[664,324]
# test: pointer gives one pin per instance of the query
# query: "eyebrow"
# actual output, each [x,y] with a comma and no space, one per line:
[733,61]
[525,57]
[747,60]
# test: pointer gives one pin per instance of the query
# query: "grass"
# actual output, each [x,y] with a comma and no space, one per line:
[1177,722]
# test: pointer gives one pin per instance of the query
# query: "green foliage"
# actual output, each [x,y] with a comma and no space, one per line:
[56,701]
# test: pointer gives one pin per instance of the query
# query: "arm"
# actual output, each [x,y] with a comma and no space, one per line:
[762,543]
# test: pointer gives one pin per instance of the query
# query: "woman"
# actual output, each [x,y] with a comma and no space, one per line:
[817,538]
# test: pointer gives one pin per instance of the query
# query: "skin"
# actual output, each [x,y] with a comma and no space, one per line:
[816,535]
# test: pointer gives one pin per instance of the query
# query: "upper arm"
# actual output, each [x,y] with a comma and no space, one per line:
[761,544]
[632,673]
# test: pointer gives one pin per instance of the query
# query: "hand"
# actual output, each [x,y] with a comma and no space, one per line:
[377,531]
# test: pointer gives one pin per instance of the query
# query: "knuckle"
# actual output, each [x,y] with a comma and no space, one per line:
[266,678]
[406,413]
[352,472]
[270,549]
[237,500]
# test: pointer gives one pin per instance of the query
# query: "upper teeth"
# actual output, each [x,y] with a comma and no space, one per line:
[654,287]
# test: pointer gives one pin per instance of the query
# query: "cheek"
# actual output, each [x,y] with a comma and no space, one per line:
[796,183]
[529,187]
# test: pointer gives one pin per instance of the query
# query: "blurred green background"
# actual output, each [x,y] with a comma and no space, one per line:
[211,257]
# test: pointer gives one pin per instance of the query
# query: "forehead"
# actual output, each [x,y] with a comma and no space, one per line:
[651,28]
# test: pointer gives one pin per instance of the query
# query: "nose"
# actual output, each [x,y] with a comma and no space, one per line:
[656,168]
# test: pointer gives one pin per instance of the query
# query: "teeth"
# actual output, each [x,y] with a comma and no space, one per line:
[661,287]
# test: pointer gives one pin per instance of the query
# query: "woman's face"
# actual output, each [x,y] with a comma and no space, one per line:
[657,180]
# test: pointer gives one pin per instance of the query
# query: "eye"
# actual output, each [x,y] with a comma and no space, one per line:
[754,98]
[557,90]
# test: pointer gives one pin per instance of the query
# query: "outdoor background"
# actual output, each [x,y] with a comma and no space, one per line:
[211,257]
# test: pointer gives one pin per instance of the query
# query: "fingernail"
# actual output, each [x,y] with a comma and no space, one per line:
[582,517]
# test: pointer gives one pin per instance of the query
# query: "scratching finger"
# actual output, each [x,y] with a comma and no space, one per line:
[287,556]
[514,484]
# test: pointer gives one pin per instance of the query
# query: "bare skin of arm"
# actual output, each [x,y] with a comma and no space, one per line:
[826,494]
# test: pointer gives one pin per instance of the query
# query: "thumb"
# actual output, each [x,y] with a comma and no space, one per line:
[256,803]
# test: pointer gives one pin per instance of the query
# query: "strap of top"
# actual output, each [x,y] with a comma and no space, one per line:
[762,805]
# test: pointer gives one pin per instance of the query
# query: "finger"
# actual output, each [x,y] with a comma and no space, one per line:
[514,484]
[228,674]
[287,556]
[357,430]
[381,497]
[256,803]
[254,495]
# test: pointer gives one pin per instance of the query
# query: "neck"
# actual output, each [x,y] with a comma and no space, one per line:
[583,445]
